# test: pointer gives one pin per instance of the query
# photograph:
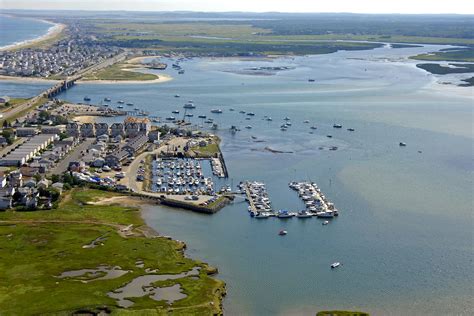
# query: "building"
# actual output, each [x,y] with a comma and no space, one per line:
[26,132]
[87,130]
[135,144]
[116,158]
[154,135]
[135,126]
[6,197]
[72,129]
[101,129]
[53,129]
[27,150]
[117,129]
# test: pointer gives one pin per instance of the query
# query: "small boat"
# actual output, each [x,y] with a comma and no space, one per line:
[130,104]
[306,121]
[402,144]
[107,99]
[181,72]
[329,136]
[251,114]
[248,127]
[217,111]
[170,118]
[351,129]
[304,214]
[176,95]
[189,106]
[120,107]
[287,118]
[189,115]
[337,126]
[282,232]
[136,109]
[269,119]
[120,102]
[313,127]
[202,116]
[175,112]
[262,215]
[86,98]
[231,109]
[284,214]
[325,222]
[311,80]
[242,112]
[335,265]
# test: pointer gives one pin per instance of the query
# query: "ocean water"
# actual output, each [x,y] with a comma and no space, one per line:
[404,234]
[14,29]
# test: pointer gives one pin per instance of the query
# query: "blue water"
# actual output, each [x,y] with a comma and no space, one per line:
[14,29]
[404,234]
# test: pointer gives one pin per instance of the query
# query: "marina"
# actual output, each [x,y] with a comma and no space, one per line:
[317,205]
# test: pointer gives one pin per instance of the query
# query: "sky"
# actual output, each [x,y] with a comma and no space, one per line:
[354,6]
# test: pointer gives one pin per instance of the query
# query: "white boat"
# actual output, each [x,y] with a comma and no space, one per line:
[304,214]
[248,127]
[335,265]
[217,111]
[282,232]
[189,106]
[284,214]
[325,222]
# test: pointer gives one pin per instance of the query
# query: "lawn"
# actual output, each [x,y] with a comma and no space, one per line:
[36,247]
[210,150]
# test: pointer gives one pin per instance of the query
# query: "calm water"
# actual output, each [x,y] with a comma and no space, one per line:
[14,30]
[404,235]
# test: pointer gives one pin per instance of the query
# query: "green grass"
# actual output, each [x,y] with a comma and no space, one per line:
[116,72]
[462,54]
[442,70]
[39,102]
[341,313]
[32,253]
[11,104]
[208,150]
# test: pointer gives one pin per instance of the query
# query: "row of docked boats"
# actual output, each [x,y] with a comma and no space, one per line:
[315,201]
[180,176]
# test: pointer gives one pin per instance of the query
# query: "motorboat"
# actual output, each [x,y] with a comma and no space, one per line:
[176,95]
[217,111]
[86,98]
[335,265]
[120,102]
[337,126]
[351,129]
[175,112]
[304,214]
[402,144]
[251,114]
[284,214]
[282,232]
[306,121]
[311,80]
[120,107]
[107,99]
[170,118]
[248,127]
[202,116]
[189,106]
[313,127]
[130,104]
[325,222]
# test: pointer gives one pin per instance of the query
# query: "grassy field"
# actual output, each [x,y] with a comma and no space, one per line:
[117,72]
[11,104]
[36,247]
[463,55]
[208,150]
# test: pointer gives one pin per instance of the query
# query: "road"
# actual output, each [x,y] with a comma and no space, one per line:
[74,155]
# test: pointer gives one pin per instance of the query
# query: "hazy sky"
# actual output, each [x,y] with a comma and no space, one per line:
[356,6]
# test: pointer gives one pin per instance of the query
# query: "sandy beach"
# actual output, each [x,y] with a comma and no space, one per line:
[140,59]
[53,31]
[161,78]
[85,119]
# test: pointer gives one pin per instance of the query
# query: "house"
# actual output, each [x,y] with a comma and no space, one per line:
[15,178]
[72,129]
[43,184]
[58,186]
[98,163]
[135,126]
[26,132]
[3,141]
[117,129]
[154,136]
[31,183]
[116,158]
[3,181]
[6,197]
[101,129]
[135,144]
[53,129]
[87,130]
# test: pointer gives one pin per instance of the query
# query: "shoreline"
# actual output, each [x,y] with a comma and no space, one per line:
[54,30]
